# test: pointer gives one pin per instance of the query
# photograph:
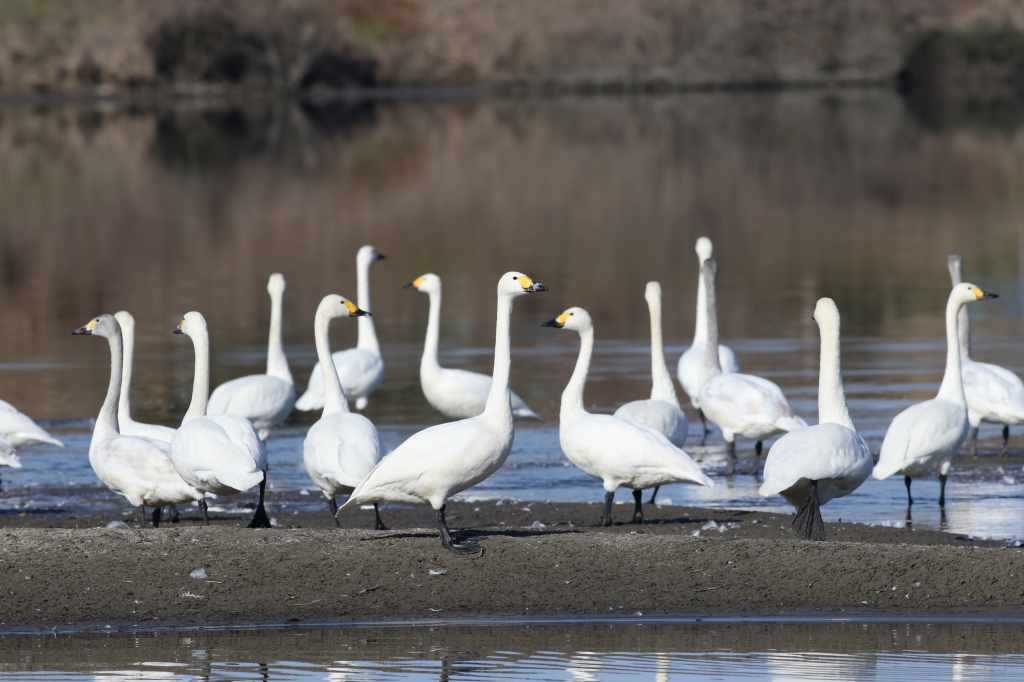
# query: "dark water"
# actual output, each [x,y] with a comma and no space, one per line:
[805,194]
[562,651]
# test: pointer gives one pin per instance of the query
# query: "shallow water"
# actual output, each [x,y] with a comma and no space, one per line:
[555,651]
[804,194]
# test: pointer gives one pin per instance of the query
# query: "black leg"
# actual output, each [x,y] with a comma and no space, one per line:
[638,508]
[942,491]
[157,513]
[731,468]
[906,482]
[654,494]
[808,523]
[260,518]
[378,524]
[175,515]
[332,505]
[973,436]
[205,509]
[142,516]
[758,448]
[1006,441]
[703,422]
[446,537]
[606,517]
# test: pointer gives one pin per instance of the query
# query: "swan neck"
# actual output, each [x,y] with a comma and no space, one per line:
[367,332]
[201,377]
[661,380]
[124,408]
[572,396]
[952,387]
[499,403]
[712,365]
[277,361]
[831,396]
[963,333]
[106,422]
[334,394]
[700,328]
[429,360]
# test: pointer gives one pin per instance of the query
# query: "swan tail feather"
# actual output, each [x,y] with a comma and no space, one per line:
[525,412]
[791,423]
[241,481]
[42,438]
[308,402]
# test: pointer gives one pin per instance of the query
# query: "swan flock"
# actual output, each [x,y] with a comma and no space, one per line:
[219,447]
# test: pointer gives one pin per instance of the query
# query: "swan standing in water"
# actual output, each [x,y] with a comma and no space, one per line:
[342,448]
[925,436]
[438,462]
[18,428]
[126,425]
[264,399]
[455,393]
[361,368]
[661,411]
[216,454]
[691,370]
[994,394]
[610,448]
[137,468]
[741,404]
[811,466]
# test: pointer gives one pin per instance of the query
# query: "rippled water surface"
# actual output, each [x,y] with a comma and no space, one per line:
[622,651]
[805,195]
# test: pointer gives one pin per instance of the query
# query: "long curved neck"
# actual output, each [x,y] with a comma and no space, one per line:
[661,380]
[106,422]
[499,404]
[952,387]
[124,408]
[711,364]
[831,397]
[963,320]
[367,332]
[334,395]
[277,362]
[201,378]
[572,396]
[700,328]
[429,359]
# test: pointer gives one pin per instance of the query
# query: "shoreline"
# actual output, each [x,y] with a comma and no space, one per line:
[745,566]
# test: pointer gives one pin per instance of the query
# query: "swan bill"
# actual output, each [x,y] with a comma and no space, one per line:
[86,329]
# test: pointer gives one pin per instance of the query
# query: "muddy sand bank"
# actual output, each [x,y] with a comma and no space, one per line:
[538,559]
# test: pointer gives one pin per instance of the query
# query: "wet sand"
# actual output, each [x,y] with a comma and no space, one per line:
[78,574]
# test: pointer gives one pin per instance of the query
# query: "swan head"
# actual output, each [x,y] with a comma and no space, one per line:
[103,325]
[276,284]
[126,320]
[703,248]
[652,293]
[966,292]
[333,305]
[514,284]
[826,313]
[577,319]
[427,284]
[192,324]
[368,254]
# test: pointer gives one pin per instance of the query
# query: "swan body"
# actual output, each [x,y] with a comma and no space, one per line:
[264,399]
[455,393]
[619,452]
[994,394]
[661,411]
[360,369]
[8,457]
[438,462]
[924,437]
[220,454]
[741,404]
[342,448]
[810,466]
[19,429]
[691,370]
[138,469]
[126,425]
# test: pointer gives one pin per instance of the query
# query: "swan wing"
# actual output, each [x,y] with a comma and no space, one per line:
[141,470]
[657,415]
[222,447]
[993,392]
[259,397]
[19,429]
[359,370]
[342,448]
[742,402]
[817,453]
[920,433]
[157,432]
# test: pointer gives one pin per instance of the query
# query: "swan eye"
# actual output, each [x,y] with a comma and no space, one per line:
[515,276]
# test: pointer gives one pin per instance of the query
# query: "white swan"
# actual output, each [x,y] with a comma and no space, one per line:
[925,436]
[216,454]
[741,404]
[455,393]
[137,468]
[438,462]
[342,448]
[811,466]
[264,399]
[361,368]
[994,394]
[8,457]
[617,451]
[126,425]
[661,411]
[691,371]
[18,428]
